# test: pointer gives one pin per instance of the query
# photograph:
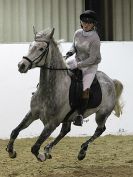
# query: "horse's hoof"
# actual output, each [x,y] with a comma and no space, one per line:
[41,157]
[81,155]
[12,154]
[48,156]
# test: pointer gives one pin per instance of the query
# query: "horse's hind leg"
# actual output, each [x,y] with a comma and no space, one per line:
[66,127]
[100,120]
[24,124]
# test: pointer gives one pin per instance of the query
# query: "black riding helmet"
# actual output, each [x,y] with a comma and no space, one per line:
[88,16]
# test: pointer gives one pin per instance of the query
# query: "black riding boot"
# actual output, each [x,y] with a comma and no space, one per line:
[84,103]
[78,121]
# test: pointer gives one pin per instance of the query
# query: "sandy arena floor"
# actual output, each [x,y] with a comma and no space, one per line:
[109,156]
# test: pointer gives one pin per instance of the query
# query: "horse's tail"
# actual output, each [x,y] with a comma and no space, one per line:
[118,105]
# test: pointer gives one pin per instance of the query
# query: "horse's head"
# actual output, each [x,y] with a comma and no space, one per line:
[38,51]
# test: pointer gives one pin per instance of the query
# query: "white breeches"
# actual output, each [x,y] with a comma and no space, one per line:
[88,75]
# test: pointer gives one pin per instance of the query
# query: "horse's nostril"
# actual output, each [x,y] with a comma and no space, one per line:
[21,66]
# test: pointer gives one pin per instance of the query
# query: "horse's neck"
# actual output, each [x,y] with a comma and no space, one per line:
[43,78]
[51,79]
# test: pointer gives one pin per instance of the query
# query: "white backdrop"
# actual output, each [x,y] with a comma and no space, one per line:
[16,89]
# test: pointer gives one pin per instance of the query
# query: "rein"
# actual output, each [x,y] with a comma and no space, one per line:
[56,69]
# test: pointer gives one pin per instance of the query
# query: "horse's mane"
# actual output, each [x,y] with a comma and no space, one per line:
[57,52]
[44,36]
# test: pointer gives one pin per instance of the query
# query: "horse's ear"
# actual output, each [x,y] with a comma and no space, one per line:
[52,33]
[34,31]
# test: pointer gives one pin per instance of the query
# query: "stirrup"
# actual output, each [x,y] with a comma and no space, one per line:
[78,121]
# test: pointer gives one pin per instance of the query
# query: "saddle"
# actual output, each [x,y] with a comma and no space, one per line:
[76,89]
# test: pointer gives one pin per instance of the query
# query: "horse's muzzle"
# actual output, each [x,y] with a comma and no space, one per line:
[22,67]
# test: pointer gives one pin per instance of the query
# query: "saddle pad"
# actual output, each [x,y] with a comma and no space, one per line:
[95,97]
[76,89]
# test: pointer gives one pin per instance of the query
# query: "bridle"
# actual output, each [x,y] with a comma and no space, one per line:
[44,53]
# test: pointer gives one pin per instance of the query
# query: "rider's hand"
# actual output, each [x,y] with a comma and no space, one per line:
[72,64]
[68,54]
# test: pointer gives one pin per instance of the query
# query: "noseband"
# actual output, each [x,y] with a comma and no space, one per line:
[45,52]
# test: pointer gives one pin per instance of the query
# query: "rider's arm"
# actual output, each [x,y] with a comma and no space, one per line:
[94,56]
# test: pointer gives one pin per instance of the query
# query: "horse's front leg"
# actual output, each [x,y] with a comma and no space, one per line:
[48,129]
[24,124]
[66,127]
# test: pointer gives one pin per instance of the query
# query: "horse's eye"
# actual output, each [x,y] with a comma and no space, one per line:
[41,49]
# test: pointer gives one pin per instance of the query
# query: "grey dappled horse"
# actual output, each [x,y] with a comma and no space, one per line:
[50,103]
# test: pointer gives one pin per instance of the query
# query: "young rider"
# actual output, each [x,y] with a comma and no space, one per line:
[86,47]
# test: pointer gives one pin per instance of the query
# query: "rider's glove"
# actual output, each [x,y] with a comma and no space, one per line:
[72,64]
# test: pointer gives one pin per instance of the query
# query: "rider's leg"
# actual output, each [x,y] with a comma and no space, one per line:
[84,102]
[88,77]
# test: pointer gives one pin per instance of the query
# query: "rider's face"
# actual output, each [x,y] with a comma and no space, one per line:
[87,26]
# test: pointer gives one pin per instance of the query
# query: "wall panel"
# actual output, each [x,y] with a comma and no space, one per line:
[17,18]
[22,22]
[123,20]
[1,20]
[7,20]
[15,26]
[63,20]
[126,20]
[131,8]
[56,17]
